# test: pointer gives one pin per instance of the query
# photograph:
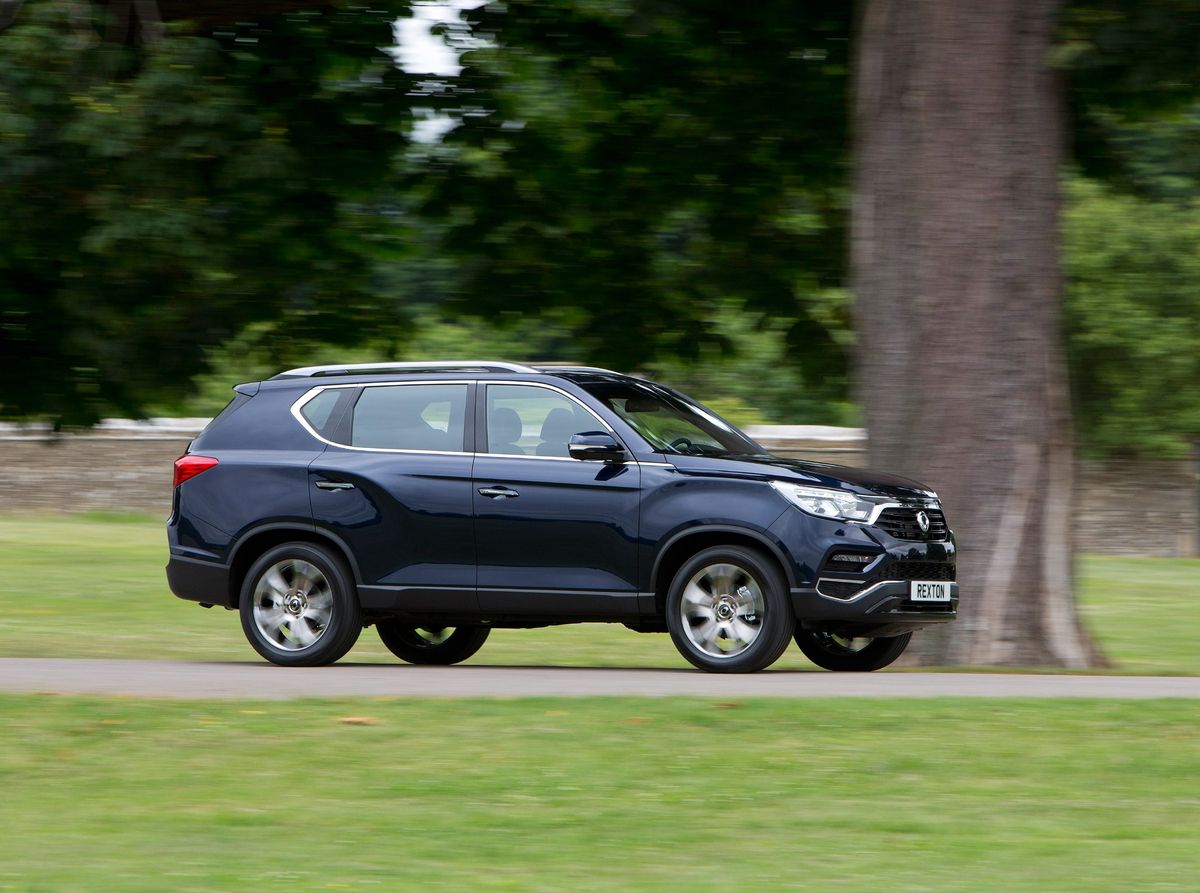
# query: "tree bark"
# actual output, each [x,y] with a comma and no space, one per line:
[955,262]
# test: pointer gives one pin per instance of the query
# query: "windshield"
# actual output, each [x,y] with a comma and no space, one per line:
[670,422]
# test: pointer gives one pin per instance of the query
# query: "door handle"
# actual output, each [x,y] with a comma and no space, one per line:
[497,492]
[334,485]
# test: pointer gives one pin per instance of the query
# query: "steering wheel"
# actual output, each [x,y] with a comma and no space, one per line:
[681,443]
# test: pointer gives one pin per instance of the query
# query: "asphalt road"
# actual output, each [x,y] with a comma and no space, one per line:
[190,679]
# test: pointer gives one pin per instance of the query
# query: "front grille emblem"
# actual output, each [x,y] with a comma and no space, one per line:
[923,522]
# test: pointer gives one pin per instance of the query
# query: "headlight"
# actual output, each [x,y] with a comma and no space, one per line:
[826,503]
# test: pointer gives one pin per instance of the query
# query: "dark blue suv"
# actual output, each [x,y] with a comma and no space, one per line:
[437,501]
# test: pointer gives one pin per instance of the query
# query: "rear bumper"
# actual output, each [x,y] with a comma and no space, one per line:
[883,609]
[199,581]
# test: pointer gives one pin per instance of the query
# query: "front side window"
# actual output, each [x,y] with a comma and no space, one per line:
[411,417]
[670,422]
[523,420]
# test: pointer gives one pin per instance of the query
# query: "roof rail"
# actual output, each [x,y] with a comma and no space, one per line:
[415,366]
[571,367]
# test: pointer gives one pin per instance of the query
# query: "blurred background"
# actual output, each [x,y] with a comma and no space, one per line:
[966,240]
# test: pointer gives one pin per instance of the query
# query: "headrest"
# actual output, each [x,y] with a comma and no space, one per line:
[504,426]
[559,425]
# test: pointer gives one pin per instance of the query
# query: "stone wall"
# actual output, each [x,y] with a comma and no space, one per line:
[1144,508]
[116,467]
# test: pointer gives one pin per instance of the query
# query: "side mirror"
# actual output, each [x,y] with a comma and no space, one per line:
[595,446]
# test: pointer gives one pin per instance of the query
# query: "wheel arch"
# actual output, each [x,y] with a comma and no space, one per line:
[683,545]
[257,541]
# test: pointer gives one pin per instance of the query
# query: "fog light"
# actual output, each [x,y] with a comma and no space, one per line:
[852,560]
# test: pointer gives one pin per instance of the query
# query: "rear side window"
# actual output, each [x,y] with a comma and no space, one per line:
[428,417]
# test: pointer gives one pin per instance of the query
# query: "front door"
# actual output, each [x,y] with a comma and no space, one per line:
[554,535]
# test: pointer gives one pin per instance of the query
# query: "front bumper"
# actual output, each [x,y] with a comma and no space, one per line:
[882,609]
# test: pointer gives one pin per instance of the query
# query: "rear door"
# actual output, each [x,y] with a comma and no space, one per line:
[555,536]
[395,484]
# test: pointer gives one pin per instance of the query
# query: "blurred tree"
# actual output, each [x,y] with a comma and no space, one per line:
[1133,318]
[642,164]
[1130,63]
[959,140]
[154,202]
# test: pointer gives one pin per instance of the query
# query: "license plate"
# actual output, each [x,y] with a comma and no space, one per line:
[928,592]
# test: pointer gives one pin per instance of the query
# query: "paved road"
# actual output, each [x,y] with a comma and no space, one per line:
[188,679]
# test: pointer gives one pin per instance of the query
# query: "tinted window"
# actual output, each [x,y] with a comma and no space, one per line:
[411,417]
[670,422]
[319,410]
[529,421]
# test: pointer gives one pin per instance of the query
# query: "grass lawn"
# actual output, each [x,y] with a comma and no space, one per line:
[598,794]
[93,586]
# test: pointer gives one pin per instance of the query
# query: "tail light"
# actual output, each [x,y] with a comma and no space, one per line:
[187,467]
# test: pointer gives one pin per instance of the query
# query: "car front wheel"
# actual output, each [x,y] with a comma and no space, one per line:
[843,653]
[728,610]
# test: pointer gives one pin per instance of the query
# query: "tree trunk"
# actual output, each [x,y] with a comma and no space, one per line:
[959,138]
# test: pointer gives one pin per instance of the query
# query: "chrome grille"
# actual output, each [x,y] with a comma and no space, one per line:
[901,523]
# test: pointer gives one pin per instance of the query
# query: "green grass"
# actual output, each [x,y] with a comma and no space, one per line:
[1146,611]
[94,587]
[598,794]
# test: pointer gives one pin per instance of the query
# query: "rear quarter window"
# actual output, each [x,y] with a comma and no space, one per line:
[318,411]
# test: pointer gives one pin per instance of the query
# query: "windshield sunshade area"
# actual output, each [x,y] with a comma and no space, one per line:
[670,422]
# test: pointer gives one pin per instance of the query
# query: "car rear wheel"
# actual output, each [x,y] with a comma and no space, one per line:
[299,607]
[728,610]
[431,645]
[842,653]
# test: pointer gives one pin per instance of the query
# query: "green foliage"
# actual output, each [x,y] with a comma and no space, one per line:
[1133,318]
[155,203]
[656,188]
[643,165]
[752,384]
[1129,63]
[757,383]
[247,357]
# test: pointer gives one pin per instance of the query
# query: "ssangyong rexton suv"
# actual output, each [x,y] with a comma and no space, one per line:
[437,501]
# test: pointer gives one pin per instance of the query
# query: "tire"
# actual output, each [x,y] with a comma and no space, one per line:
[850,655]
[728,610]
[421,645]
[299,606]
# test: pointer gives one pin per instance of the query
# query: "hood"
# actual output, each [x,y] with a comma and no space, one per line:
[862,481]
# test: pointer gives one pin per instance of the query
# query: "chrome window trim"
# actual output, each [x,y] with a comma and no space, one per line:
[312,392]
[308,395]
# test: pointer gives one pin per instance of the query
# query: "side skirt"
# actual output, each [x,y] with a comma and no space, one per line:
[544,605]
